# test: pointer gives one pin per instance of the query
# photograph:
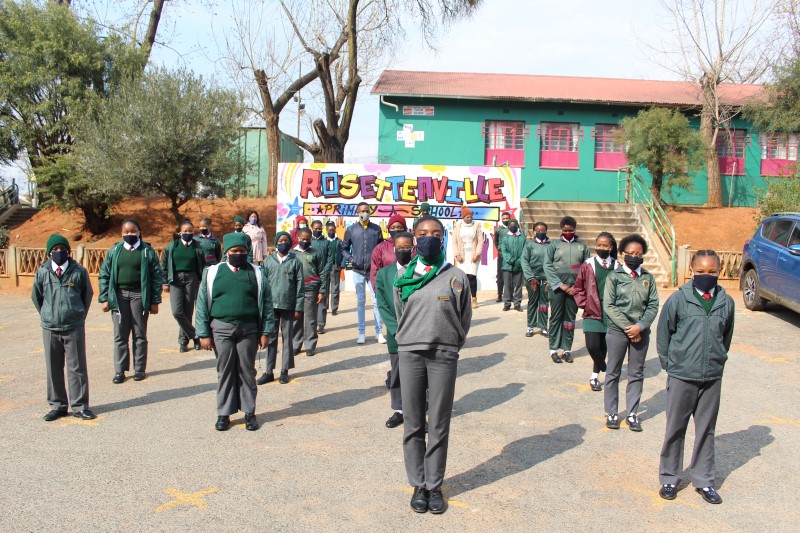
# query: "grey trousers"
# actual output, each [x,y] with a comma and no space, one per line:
[433,370]
[618,346]
[305,329]
[512,288]
[235,347]
[394,383]
[331,300]
[182,295]
[66,348]
[130,320]
[684,399]
[284,322]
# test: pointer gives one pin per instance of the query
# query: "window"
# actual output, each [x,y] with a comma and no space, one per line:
[778,231]
[559,145]
[778,154]
[730,149]
[505,143]
[795,238]
[607,155]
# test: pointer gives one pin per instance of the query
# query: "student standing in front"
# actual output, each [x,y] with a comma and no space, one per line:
[315,283]
[533,258]
[468,246]
[511,249]
[499,233]
[590,287]
[212,248]
[235,318]
[62,295]
[130,285]
[319,242]
[384,290]
[285,273]
[564,258]
[433,307]
[331,300]
[183,262]
[631,306]
[238,227]
[694,336]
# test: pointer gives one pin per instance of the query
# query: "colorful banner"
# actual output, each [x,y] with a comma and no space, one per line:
[326,192]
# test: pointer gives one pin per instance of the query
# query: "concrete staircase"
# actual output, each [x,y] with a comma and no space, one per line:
[17,214]
[592,218]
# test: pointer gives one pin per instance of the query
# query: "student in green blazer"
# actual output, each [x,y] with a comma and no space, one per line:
[511,248]
[285,273]
[533,258]
[183,262]
[210,244]
[130,284]
[384,292]
[331,300]
[62,295]
[694,335]
[238,227]
[235,318]
[315,282]
[630,304]
[500,232]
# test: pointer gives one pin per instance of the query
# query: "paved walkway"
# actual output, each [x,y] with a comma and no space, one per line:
[528,449]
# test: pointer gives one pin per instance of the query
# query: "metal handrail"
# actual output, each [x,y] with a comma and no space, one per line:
[9,196]
[636,191]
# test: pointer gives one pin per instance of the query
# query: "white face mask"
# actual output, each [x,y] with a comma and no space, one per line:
[363,217]
[302,226]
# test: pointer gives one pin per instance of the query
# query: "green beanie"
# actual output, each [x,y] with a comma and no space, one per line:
[424,206]
[280,234]
[234,239]
[56,239]
[238,219]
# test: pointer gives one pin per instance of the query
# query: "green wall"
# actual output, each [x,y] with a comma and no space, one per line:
[253,159]
[453,136]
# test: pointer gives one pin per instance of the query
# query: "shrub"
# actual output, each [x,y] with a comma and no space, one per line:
[780,195]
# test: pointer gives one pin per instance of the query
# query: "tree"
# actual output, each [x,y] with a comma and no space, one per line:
[714,42]
[662,141]
[169,133]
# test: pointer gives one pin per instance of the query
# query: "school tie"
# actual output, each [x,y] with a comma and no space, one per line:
[428,269]
[706,296]
[235,270]
[605,264]
[59,271]
[634,275]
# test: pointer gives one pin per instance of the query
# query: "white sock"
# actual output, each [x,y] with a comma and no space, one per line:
[594,375]
[552,352]
[398,411]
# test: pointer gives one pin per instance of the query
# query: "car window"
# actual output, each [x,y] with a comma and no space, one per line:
[795,238]
[778,231]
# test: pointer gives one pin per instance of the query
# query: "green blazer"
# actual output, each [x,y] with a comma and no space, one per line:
[533,259]
[168,266]
[152,277]
[384,292]
[511,249]
[628,301]
[285,281]
[62,303]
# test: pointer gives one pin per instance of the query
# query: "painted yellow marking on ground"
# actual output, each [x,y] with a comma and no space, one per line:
[194,499]
[660,503]
[772,419]
[295,380]
[98,329]
[582,387]
[749,349]
[72,421]
[168,350]
[39,350]
[453,503]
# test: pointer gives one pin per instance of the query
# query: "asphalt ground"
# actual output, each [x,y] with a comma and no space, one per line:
[528,447]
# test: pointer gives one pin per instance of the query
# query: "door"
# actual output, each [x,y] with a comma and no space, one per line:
[775,237]
[788,269]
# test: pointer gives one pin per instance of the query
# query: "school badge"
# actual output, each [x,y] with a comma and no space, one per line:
[646,283]
[456,285]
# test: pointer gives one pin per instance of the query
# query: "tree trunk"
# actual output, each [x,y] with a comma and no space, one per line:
[152,29]
[329,154]
[96,220]
[273,153]
[707,132]
[655,188]
[175,204]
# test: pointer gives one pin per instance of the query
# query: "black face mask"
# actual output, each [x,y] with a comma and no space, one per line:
[237,260]
[602,254]
[633,262]
[331,234]
[205,232]
[59,256]
[187,237]
[429,247]
[403,256]
[304,245]
[703,282]
[130,239]
[395,232]
[317,233]
[284,247]
[541,236]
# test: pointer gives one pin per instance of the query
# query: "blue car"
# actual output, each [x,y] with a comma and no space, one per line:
[771,264]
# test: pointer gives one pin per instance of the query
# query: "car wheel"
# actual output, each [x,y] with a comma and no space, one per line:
[752,300]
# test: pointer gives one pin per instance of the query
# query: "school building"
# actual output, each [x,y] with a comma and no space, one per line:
[253,160]
[559,131]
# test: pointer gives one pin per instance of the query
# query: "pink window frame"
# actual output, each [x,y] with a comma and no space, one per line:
[608,159]
[568,133]
[503,130]
[731,164]
[779,166]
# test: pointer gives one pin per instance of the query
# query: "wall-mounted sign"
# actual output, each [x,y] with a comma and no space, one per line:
[418,110]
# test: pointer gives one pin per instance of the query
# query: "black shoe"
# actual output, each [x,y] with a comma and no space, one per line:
[668,492]
[710,495]
[250,422]
[196,341]
[395,420]
[284,379]
[436,503]
[612,422]
[119,377]
[567,357]
[266,377]
[183,348]
[633,423]
[419,501]
[594,383]
[554,356]
[139,376]
[334,313]
[499,299]
[310,353]
[529,332]
[223,423]
[321,330]
[545,333]
[516,308]
[86,414]
[55,414]
[507,307]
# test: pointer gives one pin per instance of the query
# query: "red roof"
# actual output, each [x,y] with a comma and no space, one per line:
[536,88]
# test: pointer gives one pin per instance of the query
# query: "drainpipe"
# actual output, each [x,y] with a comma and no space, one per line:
[395,106]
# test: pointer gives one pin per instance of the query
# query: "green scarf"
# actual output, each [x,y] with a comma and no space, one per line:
[409,284]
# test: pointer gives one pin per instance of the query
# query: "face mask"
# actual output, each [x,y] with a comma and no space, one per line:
[130,239]
[237,260]
[331,234]
[253,220]
[304,245]
[237,230]
[467,220]
[205,232]
[505,223]
[59,256]
[602,254]
[187,237]
[403,256]
[395,232]
[568,235]
[302,225]
[317,233]
[284,247]
[633,262]
[513,228]
[363,217]
[429,247]
[704,282]
[541,236]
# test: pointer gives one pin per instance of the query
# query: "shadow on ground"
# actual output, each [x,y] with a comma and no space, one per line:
[485,399]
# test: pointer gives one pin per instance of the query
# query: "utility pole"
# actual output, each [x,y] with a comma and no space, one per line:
[300,105]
